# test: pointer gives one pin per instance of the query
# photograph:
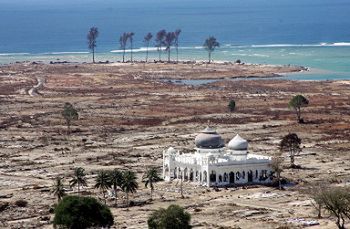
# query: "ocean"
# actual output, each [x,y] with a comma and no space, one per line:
[311,33]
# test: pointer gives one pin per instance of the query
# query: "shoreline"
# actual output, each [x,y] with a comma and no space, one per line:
[182,70]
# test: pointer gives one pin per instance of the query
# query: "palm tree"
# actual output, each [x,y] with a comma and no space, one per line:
[92,36]
[131,39]
[123,40]
[210,44]
[177,34]
[78,179]
[168,42]
[103,182]
[116,180]
[129,183]
[159,42]
[150,177]
[147,40]
[58,188]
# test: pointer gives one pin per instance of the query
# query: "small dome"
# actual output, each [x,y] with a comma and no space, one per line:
[209,139]
[238,143]
[171,150]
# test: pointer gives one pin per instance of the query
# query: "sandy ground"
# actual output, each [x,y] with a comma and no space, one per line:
[129,114]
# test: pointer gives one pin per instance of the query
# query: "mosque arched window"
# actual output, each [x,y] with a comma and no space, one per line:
[238,175]
[213,176]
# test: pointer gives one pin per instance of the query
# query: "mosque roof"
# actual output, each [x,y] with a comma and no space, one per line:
[238,143]
[209,139]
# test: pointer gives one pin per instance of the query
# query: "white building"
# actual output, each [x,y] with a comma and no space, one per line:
[214,164]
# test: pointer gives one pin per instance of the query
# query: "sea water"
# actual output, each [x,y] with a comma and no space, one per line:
[311,33]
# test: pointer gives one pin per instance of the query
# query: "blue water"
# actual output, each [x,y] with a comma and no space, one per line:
[313,33]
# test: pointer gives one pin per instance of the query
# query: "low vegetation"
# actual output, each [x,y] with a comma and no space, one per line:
[82,212]
[174,217]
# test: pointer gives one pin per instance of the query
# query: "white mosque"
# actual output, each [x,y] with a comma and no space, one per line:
[214,164]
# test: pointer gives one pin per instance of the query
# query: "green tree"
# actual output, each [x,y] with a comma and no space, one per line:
[129,184]
[147,39]
[79,179]
[160,41]
[174,217]
[291,143]
[82,212]
[210,44]
[317,202]
[176,43]
[91,37]
[58,188]
[150,178]
[103,182]
[116,177]
[231,105]
[69,114]
[276,165]
[123,41]
[336,201]
[296,103]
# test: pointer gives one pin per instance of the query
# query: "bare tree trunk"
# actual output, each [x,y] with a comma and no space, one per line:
[123,55]
[177,54]
[93,55]
[115,197]
[292,163]
[127,199]
[131,52]
[169,55]
[151,193]
[147,53]
[209,57]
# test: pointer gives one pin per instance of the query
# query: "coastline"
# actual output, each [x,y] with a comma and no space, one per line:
[182,70]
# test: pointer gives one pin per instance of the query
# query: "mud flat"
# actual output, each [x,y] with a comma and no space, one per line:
[129,115]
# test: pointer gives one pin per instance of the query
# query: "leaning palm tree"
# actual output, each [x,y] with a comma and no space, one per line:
[58,188]
[116,179]
[150,177]
[176,43]
[168,42]
[129,184]
[103,182]
[78,179]
[210,44]
[147,40]
[160,41]
[131,39]
[123,40]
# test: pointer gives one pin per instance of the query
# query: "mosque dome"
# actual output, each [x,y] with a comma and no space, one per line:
[238,143]
[209,139]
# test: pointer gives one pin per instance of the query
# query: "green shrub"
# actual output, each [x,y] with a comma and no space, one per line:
[231,105]
[21,203]
[174,217]
[82,212]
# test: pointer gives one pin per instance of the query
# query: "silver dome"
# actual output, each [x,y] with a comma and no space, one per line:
[238,143]
[209,139]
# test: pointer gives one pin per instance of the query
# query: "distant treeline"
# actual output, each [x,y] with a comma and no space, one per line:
[164,41]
